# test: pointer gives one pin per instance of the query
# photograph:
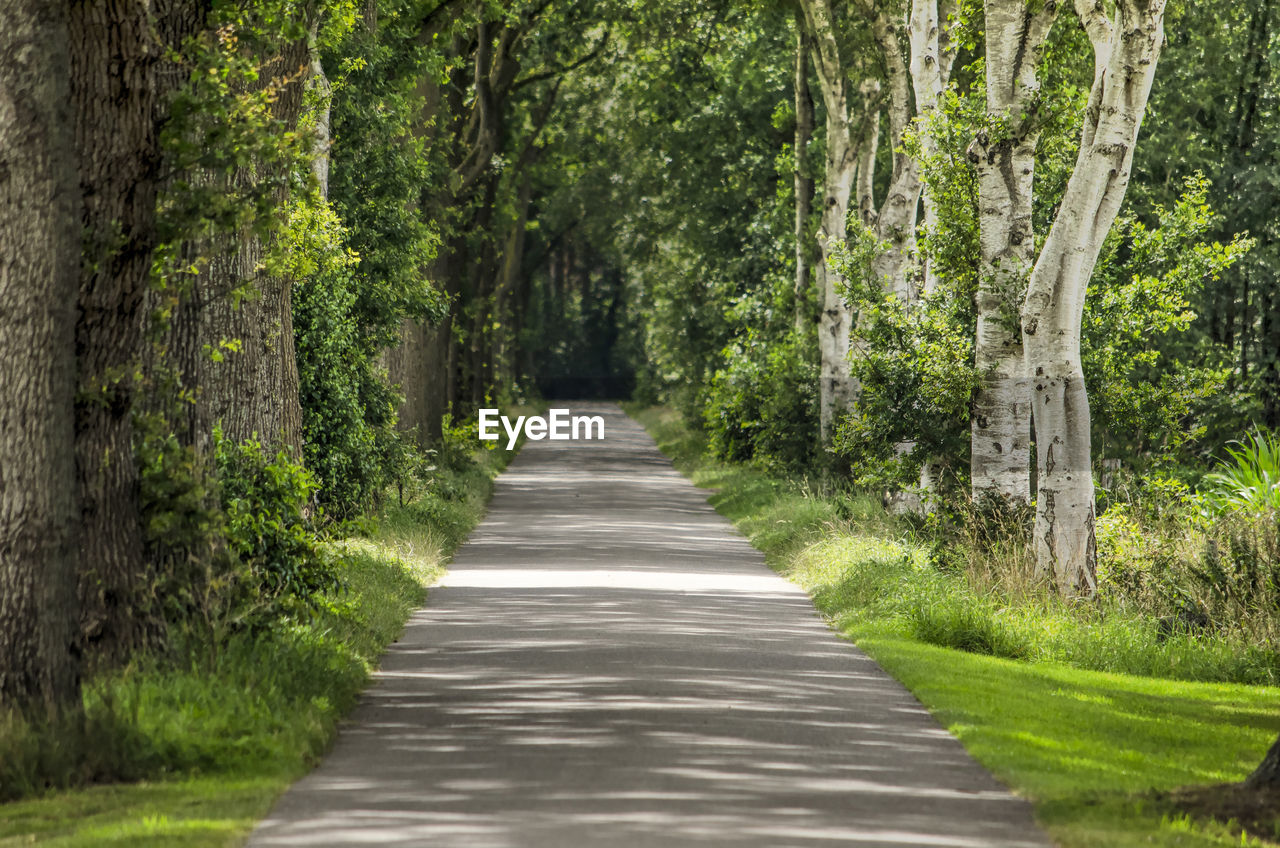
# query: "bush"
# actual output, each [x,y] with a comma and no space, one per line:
[763,404]
[350,441]
[267,502]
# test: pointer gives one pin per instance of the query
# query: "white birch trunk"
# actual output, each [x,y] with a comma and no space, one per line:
[318,83]
[1126,50]
[895,223]
[1000,426]
[932,55]
[836,390]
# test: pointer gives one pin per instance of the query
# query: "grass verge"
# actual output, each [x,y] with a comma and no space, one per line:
[1098,750]
[219,735]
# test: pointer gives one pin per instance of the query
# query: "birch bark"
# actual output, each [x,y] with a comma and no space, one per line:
[1126,50]
[895,223]
[1003,156]
[932,56]
[836,386]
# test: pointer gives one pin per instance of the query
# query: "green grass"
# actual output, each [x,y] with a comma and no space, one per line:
[1090,747]
[221,734]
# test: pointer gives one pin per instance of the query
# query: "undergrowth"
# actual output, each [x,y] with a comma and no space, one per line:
[257,702]
[866,567]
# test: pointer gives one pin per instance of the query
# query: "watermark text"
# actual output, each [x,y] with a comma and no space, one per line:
[559,425]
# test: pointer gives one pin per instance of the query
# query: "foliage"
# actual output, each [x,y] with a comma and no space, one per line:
[267,501]
[379,166]
[914,362]
[1221,119]
[1248,481]
[677,137]
[762,405]
[350,440]
[1144,394]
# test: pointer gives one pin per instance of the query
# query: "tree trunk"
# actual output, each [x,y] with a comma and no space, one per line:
[802,181]
[895,224]
[1000,426]
[836,389]
[250,386]
[1267,774]
[510,280]
[39,273]
[115,88]
[406,366]
[1126,51]
[933,54]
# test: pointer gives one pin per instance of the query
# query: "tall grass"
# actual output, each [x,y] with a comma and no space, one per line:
[262,701]
[1249,480]
[1180,598]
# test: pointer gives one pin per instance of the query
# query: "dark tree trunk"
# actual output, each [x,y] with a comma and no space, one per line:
[1267,774]
[406,367]
[115,56]
[250,387]
[39,272]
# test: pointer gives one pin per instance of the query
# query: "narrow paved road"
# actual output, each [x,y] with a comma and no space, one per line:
[608,663]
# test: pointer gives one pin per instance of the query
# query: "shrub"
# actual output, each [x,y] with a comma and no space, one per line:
[266,499]
[763,404]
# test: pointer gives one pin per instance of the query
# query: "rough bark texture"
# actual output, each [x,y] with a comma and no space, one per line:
[39,272]
[115,57]
[1267,774]
[1000,427]
[802,182]
[1126,51]
[253,391]
[405,364]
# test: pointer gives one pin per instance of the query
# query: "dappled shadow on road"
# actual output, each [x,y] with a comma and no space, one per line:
[609,663]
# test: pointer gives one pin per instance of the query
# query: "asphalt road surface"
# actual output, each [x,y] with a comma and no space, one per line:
[609,663]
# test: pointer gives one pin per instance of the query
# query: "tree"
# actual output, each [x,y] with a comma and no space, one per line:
[39,271]
[120,85]
[1004,155]
[236,327]
[1126,48]
[1267,774]
[802,178]
[851,141]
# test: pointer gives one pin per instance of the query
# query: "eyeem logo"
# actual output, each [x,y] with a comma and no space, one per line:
[559,426]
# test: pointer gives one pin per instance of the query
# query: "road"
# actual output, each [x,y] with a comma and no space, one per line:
[609,663]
